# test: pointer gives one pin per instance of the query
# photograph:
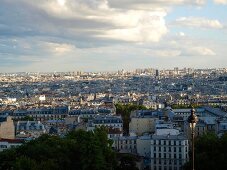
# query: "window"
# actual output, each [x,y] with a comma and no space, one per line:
[164,149]
[159,148]
[180,149]
[174,149]
[3,146]
[154,148]
[154,155]
[170,142]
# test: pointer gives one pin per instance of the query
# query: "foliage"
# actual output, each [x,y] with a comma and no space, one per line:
[210,152]
[127,162]
[27,118]
[125,110]
[78,150]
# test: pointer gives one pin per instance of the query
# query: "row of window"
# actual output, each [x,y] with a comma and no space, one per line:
[3,146]
[169,149]
[165,155]
[127,147]
[167,168]
[170,142]
[169,162]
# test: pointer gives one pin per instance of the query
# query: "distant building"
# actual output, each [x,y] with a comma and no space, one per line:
[9,143]
[29,129]
[7,130]
[114,125]
[156,73]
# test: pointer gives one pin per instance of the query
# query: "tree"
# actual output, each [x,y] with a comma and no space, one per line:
[127,162]
[210,152]
[125,111]
[78,150]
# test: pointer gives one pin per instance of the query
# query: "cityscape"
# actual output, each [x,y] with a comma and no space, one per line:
[156,131]
[113,85]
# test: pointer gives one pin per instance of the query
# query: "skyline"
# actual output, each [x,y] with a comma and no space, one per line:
[110,35]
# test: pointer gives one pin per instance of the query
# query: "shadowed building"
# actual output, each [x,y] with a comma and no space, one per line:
[7,129]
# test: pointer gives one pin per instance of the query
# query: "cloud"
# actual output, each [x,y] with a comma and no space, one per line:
[199,51]
[109,23]
[196,22]
[58,49]
[224,2]
[93,34]
[148,4]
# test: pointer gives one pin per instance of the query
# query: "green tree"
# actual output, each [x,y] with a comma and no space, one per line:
[78,150]
[127,162]
[210,152]
[125,110]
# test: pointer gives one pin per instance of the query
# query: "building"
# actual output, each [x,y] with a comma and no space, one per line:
[142,122]
[169,152]
[7,129]
[125,144]
[114,124]
[48,113]
[29,129]
[9,143]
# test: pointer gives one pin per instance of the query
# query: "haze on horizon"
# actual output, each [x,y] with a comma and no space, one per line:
[107,35]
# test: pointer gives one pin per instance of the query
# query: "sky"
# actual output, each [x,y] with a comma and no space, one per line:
[110,35]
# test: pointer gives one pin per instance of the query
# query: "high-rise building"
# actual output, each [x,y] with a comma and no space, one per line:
[157,73]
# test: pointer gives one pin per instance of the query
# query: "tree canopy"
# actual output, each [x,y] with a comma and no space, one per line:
[210,152]
[78,150]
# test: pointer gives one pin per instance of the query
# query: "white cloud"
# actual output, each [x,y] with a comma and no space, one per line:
[224,2]
[132,24]
[138,26]
[199,51]
[198,22]
[58,49]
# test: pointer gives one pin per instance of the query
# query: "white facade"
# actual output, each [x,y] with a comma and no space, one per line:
[168,152]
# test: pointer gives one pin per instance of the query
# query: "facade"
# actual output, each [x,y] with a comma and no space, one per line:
[7,129]
[169,152]
[144,146]
[114,125]
[142,122]
[9,143]
[29,129]
[125,144]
